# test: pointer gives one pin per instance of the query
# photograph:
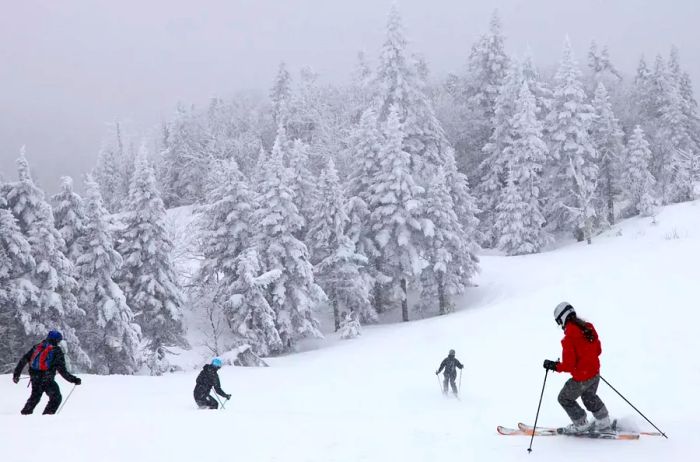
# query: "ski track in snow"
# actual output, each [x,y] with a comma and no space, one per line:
[376,398]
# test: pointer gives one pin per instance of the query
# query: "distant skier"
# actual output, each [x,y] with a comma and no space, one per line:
[45,359]
[581,351]
[450,365]
[207,379]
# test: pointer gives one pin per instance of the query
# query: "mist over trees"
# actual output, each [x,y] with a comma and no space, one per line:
[347,202]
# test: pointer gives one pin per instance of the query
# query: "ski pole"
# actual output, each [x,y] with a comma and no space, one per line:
[222,404]
[459,388]
[633,407]
[67,398]
[537,416]
[439,384]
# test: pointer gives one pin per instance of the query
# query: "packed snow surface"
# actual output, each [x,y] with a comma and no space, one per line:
[376,398]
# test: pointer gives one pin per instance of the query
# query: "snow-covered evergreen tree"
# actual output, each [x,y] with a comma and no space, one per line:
[493,170]
[637,182]
[486,72]
[519,217]
[397,213]
[69,217]
[281,94]
[112,337]
[247,309]
[606,136]
[225,224]
[350,325]
[450,263]
[185,160]
[113,169]
[294,295]
[572,165]
[537,85]
[16,290]
[303,182]
[337,265]
[147,275]
[54,305]
[399,88]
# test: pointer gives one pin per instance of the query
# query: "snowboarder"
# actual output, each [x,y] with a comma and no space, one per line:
[207,379]
[450,364]
[581,351]
[45,359]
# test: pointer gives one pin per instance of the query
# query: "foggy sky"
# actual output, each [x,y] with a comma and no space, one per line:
[68,68]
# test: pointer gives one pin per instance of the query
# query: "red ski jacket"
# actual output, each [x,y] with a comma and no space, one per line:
[579,356]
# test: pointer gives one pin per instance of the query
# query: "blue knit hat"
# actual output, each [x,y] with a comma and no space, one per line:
[216,362]
[54,335]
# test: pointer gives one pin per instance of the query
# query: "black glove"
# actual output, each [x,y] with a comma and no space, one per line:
[77,381]
[437,372]
[227,396]
[15,379]
[551,365]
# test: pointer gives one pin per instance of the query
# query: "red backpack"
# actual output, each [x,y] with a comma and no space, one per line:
[42,358]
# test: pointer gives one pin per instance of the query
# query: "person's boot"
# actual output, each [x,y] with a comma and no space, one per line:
[602,425]
[577,426]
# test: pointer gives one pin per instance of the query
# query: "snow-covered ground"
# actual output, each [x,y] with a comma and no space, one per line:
[376,398]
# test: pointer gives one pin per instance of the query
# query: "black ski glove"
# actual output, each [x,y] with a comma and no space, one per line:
[437,372]
[15,379]
[227,396]
[551,365]
[77,381]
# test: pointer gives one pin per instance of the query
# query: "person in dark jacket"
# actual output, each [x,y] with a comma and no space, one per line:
[45,359]
[207,379]
[581,351]
[450,365]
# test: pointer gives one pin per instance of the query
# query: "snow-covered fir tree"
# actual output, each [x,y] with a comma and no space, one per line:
[112,337]
[294,295]
[113,169]
[520,220]
[225,227]
[350,326]
[537,85]
[676,151]
[450,263]
[54,305]
[280,95]
[69,217]
[486,72]
[637,182]
[185,160]
[303,182]
[572,166]
[337,265]
[398,88]
[493,170]
[247,308]
[147,275]
[16,290]
[397,213]
[606,136]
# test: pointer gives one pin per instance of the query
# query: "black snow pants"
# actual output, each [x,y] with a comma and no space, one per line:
[587,391]
[41,385]
[206,401]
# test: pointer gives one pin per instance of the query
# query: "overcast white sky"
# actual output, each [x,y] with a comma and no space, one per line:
[69,67]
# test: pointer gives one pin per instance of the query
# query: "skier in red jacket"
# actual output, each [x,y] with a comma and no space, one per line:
[581,351]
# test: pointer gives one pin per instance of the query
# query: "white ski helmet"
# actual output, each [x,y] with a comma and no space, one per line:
[562,312]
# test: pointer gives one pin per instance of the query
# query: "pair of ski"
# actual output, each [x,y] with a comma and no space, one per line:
[612,434]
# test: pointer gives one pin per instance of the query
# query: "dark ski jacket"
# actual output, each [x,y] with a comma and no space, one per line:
[57,365]
[206,380]
[450,364]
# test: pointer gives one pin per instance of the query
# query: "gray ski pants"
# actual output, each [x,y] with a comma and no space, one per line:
[449,380]
[587,392]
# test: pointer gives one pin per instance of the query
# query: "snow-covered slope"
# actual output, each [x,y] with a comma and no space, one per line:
[376,398]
